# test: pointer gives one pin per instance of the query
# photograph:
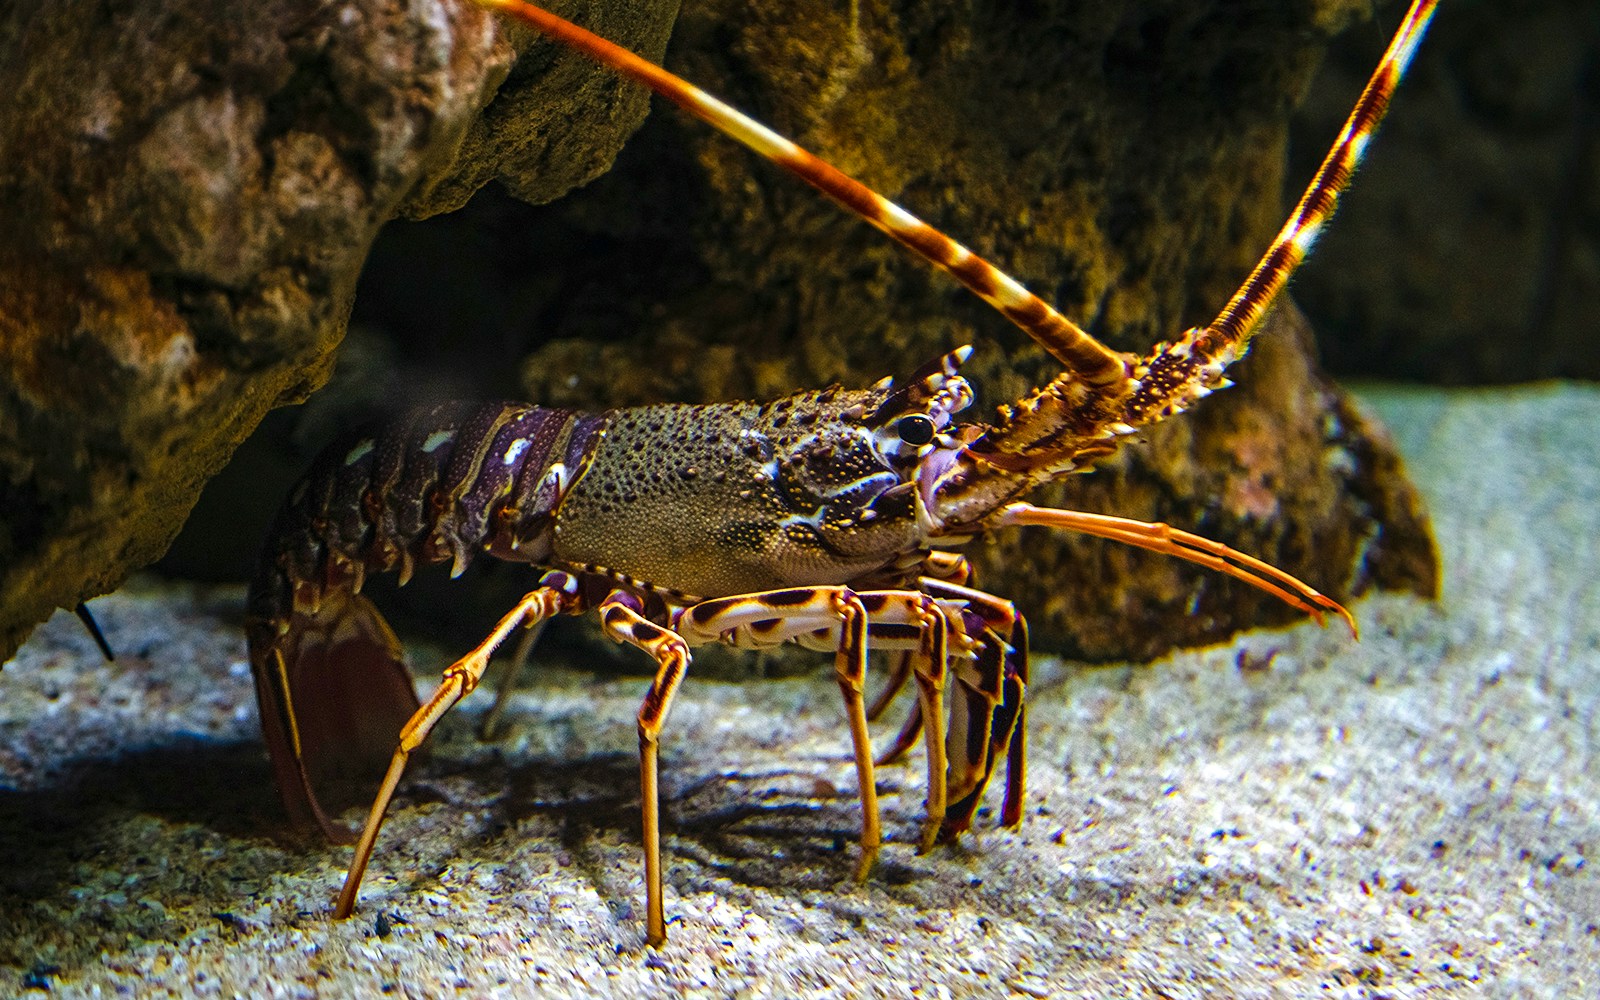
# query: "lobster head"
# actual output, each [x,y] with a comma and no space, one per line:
[852,473]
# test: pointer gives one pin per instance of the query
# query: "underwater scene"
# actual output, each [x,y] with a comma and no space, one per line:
[1211,600]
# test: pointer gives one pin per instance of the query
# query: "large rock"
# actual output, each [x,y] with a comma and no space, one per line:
[187,195]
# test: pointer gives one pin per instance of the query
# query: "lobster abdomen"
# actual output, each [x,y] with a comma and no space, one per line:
[438,485]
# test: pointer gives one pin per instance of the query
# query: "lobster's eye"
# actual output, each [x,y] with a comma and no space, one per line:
[915,430]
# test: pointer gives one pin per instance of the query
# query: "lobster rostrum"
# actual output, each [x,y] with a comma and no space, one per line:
[826,518]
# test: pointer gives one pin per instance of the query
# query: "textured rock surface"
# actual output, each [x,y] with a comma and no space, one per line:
[1289,815]
[188,193]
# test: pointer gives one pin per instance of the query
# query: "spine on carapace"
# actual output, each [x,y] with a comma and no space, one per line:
[439,485]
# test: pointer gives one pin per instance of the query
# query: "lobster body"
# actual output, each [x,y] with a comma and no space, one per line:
[731,498]
[693,501]
[819,518]
[672,503]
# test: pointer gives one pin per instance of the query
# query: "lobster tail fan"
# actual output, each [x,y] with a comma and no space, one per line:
[334,690]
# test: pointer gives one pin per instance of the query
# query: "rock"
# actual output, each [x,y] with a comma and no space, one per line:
[188,194]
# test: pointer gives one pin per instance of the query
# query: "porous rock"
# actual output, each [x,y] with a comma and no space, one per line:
[188,191]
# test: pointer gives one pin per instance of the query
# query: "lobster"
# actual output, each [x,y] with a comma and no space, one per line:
[829,518]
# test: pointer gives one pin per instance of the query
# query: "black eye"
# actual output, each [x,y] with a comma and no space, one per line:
[915,430]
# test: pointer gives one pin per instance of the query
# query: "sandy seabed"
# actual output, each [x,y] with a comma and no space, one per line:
[1293,814]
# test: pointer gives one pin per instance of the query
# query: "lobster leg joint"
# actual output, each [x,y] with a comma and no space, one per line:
[623,621]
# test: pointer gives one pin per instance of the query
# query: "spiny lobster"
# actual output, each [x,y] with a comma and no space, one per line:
[825,518]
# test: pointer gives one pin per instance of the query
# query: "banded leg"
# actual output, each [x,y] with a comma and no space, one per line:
[902,617]
[934,657]
[1017,745]
[622,615]
[953,591]
[833,615]
[557,593]
[991,726]
[489,728]
[985,719]
[994,686]
[946,567]
[850,668]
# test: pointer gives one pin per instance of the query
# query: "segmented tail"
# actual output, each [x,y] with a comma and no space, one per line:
[1081,354]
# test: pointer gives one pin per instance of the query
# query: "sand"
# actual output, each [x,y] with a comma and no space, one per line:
[1292,814]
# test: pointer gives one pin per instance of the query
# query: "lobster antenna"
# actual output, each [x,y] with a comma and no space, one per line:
[1181,372]
[1079,352]
[1239,318]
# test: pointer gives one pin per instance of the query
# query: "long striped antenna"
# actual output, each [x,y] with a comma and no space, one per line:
[1177,374]
[1240,316]
[1084,357]
[1060,428]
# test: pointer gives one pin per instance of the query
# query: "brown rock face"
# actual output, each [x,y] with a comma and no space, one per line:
[188,194]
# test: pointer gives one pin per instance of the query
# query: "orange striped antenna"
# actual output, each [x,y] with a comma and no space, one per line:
[1081,354]
[1177,374]
[1239,318]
